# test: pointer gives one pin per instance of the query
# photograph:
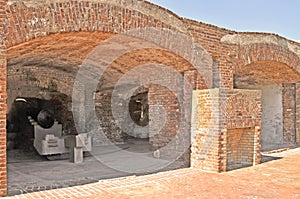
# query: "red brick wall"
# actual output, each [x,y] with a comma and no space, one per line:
[214,112]
[239,147]
[206,131]
[162,99]
[252,53]
[3,182]
[209,37]
[166,126]
[26,21]
[242,112]
[22,21]
[177,116]
[289,113]
[298,113]
[281,63]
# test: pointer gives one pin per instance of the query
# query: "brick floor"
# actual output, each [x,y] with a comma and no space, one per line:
[274,179]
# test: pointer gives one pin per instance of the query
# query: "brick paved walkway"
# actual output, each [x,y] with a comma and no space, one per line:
[274,179]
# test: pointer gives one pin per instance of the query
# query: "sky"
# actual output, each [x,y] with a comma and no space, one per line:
[276,16]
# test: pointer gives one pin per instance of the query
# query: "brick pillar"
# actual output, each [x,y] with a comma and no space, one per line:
[3,181]
[206,130]
[192,79]
[289,113]
[225,122]
[168,130]
[298,113]
[164,124]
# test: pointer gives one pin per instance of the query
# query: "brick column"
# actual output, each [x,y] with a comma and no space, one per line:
[289,113]
[168,131]
[225,129]
[164,124]
[206,130]
[3,181]
[298,113]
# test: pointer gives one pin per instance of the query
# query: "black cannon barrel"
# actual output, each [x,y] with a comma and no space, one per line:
[45,119]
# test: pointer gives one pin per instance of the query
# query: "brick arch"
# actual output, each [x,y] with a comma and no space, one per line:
[53,89]
[258,52]
[31,19]
[26,20]
[265,64]
[42,83]
[40,69]
[46,61]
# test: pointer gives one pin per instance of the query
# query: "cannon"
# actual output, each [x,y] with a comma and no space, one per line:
[42,111]
[54,145]
[36,122]
[45,119]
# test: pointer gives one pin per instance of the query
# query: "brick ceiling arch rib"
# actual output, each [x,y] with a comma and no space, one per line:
[254,47]
[50,62]
[63,54]
[263,59]
[30,19]
[58,51]
[265,73]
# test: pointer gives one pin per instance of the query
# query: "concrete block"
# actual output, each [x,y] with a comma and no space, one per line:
[76,155]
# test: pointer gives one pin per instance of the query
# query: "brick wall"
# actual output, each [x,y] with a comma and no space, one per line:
[298,113]
[206,130]
[247,54]
[3,182]
[289,113]
[280,60]
[167,129]
[177,116]
[164,109]
[242,112]
[22,21]
[31,19]
[193,79]
[239,147]
[209,37]
[26,20]
[214,112]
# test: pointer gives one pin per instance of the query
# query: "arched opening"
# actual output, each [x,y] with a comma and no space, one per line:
[40,77]
[277,81]
[19,129]
[48,62]
[41,74]
[139,109]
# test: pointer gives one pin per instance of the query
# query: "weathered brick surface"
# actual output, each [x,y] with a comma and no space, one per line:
[209,37]
[31,19]
[248,54]
[3,106]
[239,148]
[217,112]
[25,21]
[166,124]
[205,131]
[289,113]
[298,113]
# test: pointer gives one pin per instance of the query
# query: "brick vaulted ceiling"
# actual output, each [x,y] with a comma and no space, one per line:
[62,51]
[264,73]
[58,57]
